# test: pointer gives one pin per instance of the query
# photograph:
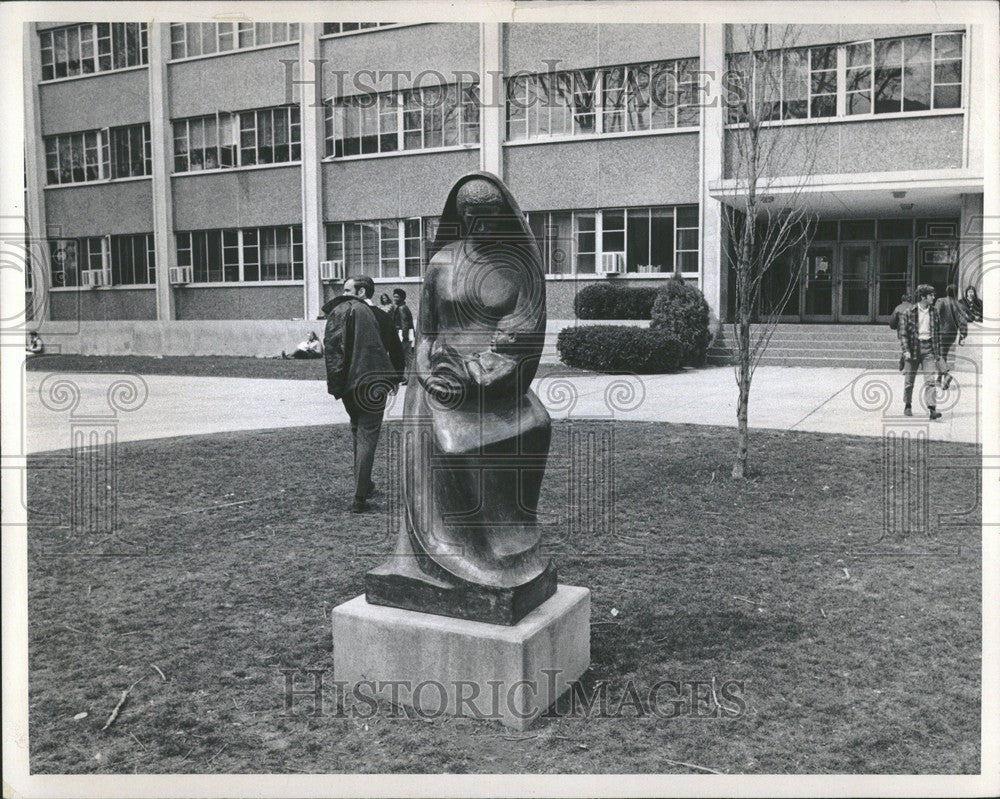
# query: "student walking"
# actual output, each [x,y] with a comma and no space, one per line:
[953,325]
[920,339]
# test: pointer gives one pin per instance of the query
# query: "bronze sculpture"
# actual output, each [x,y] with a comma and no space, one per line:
[475,437]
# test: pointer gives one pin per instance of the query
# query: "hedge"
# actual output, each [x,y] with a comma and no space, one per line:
[608,301]
[619,348]
[681,311]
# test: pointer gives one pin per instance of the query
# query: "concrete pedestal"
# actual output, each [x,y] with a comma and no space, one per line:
[445,666]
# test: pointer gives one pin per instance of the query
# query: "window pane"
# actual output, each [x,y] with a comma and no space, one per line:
[795,84]
[948,45]
[917,73]
[661,236]
[638,239]
[888,76]
[947,97]
[613,235]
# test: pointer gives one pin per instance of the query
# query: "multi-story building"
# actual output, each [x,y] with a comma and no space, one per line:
[234,171]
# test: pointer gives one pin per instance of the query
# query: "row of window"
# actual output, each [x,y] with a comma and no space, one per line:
[190,39]
[638,97]
[879,76]
[416,119]
[103,46]
[244,138]
[125,260]
[98,155]
[657,239]
[93,47]
[248,254]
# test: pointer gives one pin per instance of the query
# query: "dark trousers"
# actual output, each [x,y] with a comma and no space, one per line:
[947,342]
[923,360]
[366,425]
[306,354]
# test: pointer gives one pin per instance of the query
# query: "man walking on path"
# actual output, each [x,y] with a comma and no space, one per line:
[953,325]
[359,371]
[920,338]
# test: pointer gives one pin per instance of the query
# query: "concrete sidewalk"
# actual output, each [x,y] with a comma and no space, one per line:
[852,401]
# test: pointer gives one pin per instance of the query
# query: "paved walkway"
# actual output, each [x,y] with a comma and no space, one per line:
[859,402]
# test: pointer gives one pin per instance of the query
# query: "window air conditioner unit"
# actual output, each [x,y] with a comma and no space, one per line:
[92,278]
[612,263]
[180,275]
[331,270]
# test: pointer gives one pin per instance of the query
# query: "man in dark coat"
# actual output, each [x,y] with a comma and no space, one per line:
[403,318]
[362,368]
[920,339]
[953,326]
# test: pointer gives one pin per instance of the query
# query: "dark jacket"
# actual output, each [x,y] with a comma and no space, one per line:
[908,337]
[354,347]
[403,317]
[390,340]
[952,316]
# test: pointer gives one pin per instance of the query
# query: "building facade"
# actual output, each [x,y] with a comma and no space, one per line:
[235,171]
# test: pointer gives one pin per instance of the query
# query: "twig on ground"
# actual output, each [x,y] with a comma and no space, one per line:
[189,751]
[715,696]
[218,753]
[692,765]
[162,675]
[822,613]
[847,574]
[121,703]
[137,740]
[516,737]
[748,601]
[74,630]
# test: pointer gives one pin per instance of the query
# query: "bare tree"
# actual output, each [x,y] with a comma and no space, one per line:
[769,162]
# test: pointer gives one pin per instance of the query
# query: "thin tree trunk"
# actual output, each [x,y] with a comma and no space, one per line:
[743,404]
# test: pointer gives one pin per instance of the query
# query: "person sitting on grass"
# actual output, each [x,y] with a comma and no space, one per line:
[310,348]
[34,347]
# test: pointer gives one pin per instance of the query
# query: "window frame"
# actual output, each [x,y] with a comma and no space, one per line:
[99,141]
[846,89]
[228,134]
[601,230]
[235,32]
[117,35]
[407,110]
[234,245]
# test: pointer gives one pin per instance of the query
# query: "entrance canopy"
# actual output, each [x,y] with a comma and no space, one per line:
[926,193]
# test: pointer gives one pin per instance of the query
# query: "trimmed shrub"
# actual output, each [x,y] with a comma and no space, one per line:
[619,348]
[607,301]
[681,311]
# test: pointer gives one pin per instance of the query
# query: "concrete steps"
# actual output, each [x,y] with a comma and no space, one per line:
[848,346]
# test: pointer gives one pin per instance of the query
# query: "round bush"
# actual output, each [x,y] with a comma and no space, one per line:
[607,301]
[619,348]
[681,311]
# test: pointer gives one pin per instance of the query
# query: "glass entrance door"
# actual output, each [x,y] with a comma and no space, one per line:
[856,279]
[892,275]
[817,284]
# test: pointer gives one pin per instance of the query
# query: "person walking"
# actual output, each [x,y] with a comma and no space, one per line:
[972,304]
[403,320]
[920,339]
[360,372]
[953,325]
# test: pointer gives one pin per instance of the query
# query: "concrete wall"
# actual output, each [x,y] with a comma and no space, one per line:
[89,305]
[444,48]
[233,82]
[238,198]
[99,209]
[82,103]
[604,173]
[528,46]
[879,145]
[382,188]
[239,302]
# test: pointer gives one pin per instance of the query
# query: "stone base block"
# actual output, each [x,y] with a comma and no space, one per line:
[446,666]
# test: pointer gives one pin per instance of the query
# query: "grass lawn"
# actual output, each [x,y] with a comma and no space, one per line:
[850,663]
[213,366]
